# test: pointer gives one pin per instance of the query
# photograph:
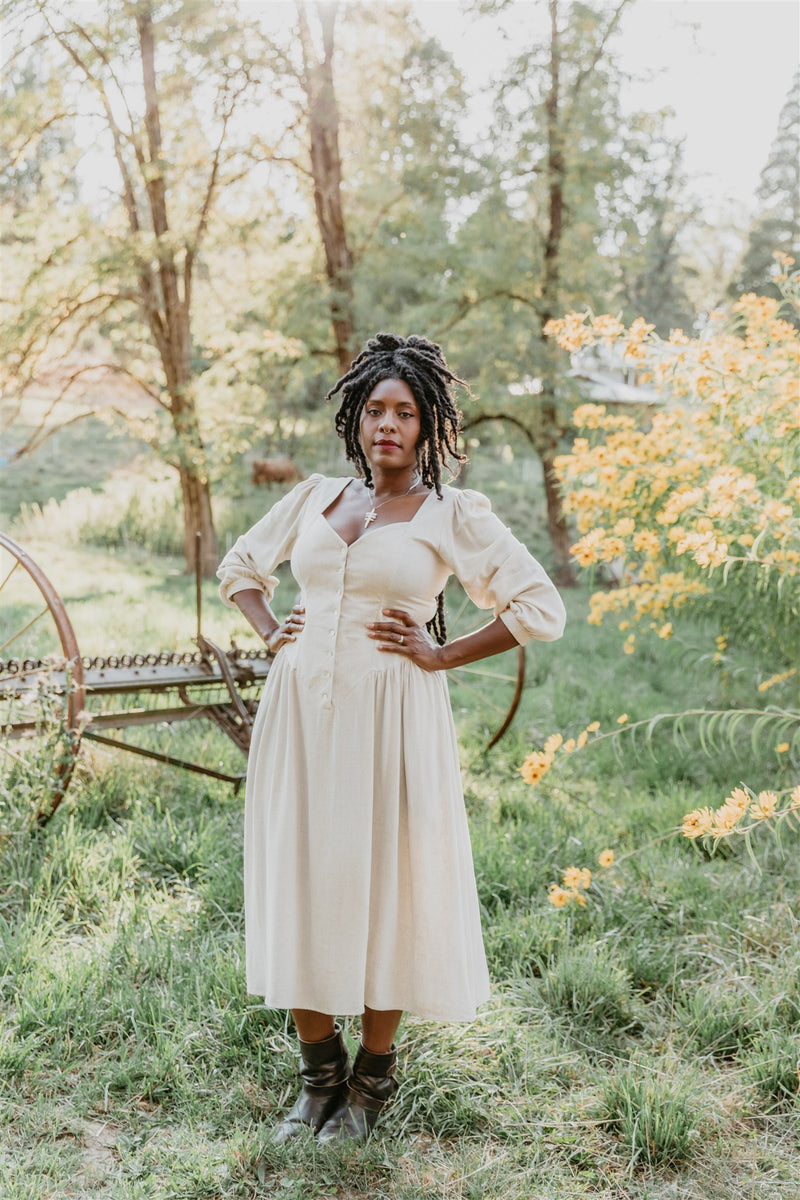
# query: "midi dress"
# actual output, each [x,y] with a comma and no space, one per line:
[358,877]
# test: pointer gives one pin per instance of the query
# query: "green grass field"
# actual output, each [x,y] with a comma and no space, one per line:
[643,1047]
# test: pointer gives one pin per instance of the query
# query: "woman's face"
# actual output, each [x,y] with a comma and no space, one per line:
[390,426]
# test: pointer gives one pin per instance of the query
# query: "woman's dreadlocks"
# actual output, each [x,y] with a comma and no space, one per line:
[421,364]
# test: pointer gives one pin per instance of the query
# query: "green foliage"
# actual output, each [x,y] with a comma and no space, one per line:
[124,1003]
[777,226]
[720,1018]
[592,990]
[657,1117]
[140,513]
[773,1066]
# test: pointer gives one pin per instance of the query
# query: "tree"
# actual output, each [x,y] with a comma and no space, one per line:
[375,104]
[326,173]
[166,80]
[653,274]
[777,227]
[534,246]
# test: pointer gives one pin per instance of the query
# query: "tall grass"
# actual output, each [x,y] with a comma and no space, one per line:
[642,1046]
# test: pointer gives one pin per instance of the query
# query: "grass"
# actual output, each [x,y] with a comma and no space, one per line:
[643,1047]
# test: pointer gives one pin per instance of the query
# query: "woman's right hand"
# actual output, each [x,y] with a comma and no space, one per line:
[287,631]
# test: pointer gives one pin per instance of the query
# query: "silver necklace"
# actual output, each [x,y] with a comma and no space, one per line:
[373,512]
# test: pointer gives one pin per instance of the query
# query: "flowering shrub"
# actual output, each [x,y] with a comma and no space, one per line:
[698,509]
[742,811]
[702,507]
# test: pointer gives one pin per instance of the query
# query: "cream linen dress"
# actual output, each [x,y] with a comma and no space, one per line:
[358,877]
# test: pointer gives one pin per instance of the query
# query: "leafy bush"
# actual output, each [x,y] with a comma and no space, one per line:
[701,511]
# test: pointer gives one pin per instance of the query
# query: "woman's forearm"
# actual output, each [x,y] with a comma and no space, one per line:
[492,639]
[254,607]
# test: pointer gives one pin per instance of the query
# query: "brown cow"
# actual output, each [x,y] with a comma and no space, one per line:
[275,470]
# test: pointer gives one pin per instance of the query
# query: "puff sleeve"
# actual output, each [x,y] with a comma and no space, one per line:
[498,572]
[254,556]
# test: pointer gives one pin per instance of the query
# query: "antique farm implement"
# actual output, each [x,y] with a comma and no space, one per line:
[52,693]
[57,686]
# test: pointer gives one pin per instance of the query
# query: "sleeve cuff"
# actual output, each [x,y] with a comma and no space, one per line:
[512,624]
[243,583]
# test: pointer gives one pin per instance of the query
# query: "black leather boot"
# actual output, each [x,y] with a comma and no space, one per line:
[324,1070]
[371,1086]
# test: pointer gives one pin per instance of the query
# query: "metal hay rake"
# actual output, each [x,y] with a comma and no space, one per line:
[207,682]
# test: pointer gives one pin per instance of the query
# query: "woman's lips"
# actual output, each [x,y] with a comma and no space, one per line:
[392,445]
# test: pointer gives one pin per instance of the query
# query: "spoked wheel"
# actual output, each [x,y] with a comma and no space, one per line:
[490,689]
[42,690]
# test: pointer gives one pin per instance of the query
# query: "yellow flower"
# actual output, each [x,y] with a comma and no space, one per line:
[622,718]
[577,878]
[557,896]
[569,745]
[629,645]
[552,744]
[606,859]
[582,739]
[646,541]
[726,818]
[593,728]
[794,796]
[606,326]
[587,549]
[775,679]
[589,416]
[738,800]
[665,631]
[767,803]
[639,330]
[781,747]
[698,822]
[534,767]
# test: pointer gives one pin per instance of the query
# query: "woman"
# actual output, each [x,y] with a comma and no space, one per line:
[360,894]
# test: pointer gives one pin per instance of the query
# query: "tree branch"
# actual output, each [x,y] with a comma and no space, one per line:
[466,307]
[583,75]
[482,418]
[40,434]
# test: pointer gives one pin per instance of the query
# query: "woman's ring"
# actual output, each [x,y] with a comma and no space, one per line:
[401,640]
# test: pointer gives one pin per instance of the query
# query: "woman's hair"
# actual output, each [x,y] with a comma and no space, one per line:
[420,364]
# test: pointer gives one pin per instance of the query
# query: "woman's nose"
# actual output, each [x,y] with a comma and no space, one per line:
[386,422]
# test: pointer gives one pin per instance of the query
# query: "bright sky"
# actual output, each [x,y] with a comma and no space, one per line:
[724,67]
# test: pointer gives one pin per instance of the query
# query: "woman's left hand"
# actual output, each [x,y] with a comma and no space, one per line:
[398,634]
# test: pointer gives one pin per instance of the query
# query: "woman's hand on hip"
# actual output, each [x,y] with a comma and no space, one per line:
[287,631]
[398,634]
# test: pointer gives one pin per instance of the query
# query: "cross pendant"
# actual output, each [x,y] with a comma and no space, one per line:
[370,517]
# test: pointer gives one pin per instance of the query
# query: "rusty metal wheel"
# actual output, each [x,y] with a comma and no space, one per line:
[42,690]
[492,688]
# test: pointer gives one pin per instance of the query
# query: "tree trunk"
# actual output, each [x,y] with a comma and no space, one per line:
[326,170]
[166,307]
[550,428]
[560,537]
[197,518]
